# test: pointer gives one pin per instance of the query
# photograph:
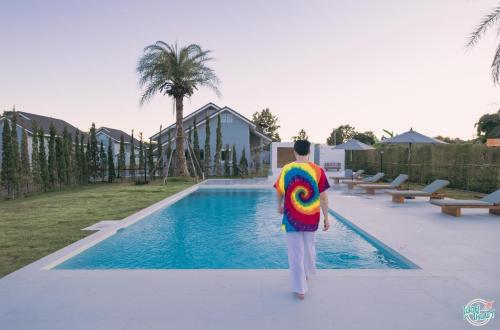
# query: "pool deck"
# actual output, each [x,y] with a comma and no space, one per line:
[459,260]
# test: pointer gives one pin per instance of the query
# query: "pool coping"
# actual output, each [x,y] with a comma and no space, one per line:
[81,245]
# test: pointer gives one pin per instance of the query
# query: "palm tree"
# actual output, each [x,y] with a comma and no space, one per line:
[488,21]
[168,70]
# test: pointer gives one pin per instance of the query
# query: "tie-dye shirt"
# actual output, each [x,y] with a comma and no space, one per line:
[301,184]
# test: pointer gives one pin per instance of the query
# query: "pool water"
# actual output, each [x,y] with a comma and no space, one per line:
[223,229]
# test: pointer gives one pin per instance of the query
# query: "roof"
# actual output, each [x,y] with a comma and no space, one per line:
[219,111]
[26,120]
[115,134]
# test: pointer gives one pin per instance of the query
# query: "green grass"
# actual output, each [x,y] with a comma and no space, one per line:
[33,227]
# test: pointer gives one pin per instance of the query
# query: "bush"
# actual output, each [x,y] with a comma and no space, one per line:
[467,166]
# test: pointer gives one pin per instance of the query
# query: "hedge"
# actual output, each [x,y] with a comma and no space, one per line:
[470,167]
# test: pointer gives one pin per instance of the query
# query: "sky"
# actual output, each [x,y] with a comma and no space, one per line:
[316,64]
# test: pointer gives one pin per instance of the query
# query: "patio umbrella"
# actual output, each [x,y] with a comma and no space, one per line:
[355,145]
[410,138]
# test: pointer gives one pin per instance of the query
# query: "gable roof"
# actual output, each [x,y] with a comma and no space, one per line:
[27,120]
[219,111]
[115,134]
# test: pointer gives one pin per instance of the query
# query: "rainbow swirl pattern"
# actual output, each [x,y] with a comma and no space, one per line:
[301,184]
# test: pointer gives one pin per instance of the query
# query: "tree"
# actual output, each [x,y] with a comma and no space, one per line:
[42,159]
[218,147]
[267,123]
[25,162]
[16,158]
[52,157]
[103,162]
[151,161]
[84,179]
[8,175]
[340,135]
[169,155]
[35,163]
[159,155]
[390,134]
[111,162]
[235,162]
[488,21]
[121,158]
[227,168]
[60,162]
[206,152]
[141,153]
[196,142]
[488,126]
[178,73]
[94,166]
[243,163]
[77,158]
[301,136]
[67,154]
[366,137]
[131,163]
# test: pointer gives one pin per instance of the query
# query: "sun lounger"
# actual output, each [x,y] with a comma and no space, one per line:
[354,176]
[431,190]
[370,188]
[371,179]
[454,206]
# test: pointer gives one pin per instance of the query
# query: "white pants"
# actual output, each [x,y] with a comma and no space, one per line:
[301,258]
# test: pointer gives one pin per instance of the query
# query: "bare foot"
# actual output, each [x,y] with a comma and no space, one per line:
[301,296]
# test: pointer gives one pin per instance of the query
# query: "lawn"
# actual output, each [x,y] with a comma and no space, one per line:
[33,227]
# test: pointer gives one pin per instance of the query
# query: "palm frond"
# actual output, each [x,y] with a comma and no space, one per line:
[495,67]
[486,23]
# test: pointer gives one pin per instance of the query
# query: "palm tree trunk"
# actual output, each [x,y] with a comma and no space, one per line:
[180,157]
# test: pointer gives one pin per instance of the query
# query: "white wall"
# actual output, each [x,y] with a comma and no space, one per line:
[327,154]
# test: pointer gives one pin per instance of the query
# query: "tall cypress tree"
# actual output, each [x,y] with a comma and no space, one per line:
[243,163]
[159,155]
[141,153]
[26,177]
[111,162]
[16,158]
[8,166]
[235,162]
[35,163]
[94,154]
[206,152]
[196,145]
[103,162]
[42,159]
[227,168]
[60,162]
[52,157]
[67,149]
[77,159]
[121,158]
[131,164]
[88,161]
[218,147]
[170,155]
[83,161]
[151,161]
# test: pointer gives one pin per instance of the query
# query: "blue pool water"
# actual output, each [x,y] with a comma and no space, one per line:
[223,229]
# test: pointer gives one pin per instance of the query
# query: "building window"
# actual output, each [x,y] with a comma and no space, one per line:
[226,118]
[202,154]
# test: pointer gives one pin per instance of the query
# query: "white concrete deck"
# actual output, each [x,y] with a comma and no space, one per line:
[459,257]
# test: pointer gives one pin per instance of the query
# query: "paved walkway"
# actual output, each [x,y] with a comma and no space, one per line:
[459,257]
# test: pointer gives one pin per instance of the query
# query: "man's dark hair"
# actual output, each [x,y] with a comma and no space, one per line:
[302,147]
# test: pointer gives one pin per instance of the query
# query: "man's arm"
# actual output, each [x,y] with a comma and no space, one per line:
[324,208]
[280,202]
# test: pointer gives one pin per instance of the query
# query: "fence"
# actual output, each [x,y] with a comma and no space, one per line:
[467,166]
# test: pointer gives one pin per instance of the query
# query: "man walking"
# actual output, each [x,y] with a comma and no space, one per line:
[302,186]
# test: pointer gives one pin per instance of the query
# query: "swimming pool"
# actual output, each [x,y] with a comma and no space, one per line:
[225,229]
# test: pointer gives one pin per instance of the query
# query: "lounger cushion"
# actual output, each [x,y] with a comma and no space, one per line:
[435,186]
[459,202]
[407,192]
[376,186]
[493,198]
